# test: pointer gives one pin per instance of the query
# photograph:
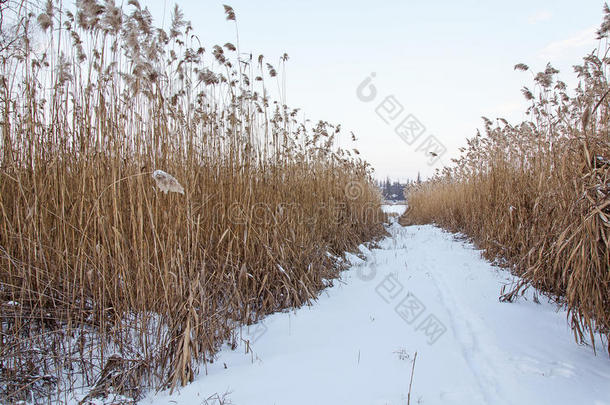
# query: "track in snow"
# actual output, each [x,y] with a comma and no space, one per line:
[422,291]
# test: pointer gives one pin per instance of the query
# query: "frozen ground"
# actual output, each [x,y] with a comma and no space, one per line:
[422,291]
[395,208]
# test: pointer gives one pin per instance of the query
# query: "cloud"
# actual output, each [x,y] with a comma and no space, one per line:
[577,45]
[540,16]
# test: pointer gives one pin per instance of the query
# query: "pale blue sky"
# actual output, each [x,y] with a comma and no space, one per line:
[447,62]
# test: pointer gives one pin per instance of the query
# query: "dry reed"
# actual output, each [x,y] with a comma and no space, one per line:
[107,282]
[536,195]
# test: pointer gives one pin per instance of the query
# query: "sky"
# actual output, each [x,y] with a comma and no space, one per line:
[435,67]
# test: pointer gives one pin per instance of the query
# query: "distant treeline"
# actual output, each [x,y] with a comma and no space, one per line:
[393,190]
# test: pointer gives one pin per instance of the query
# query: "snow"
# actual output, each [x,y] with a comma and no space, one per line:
[421,291]
[395,209]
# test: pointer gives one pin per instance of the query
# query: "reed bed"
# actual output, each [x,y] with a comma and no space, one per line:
[535,195]
[110,279]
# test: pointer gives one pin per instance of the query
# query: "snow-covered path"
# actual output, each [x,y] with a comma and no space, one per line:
[422,291]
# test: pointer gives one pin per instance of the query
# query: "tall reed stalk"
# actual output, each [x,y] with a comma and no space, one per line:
[107,282]
[536,194]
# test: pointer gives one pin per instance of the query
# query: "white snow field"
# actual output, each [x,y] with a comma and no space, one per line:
[421,291]
[398,209]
